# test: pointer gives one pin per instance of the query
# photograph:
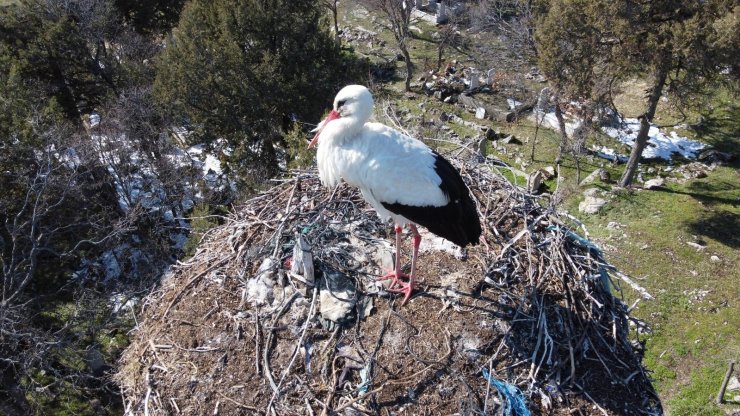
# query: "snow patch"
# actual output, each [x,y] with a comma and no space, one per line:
[120,302]
[660,145]
[609,154]
[549,120]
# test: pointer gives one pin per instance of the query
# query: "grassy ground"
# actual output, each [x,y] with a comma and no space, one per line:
[694,315]
[693,318]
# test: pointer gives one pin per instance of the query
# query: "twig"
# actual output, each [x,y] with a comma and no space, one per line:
[266,350]
[721,394]
[191,281]
[644,293]
[585,393]
[297,349]
[253,409]
[257,343]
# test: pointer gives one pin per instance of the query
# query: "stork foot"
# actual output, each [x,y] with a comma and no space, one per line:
[394,277]
[404,287]
[399,286]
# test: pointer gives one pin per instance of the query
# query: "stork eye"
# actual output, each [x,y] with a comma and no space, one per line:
[340,103]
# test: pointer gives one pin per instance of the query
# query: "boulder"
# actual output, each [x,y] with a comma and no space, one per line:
[597,174]
[480,113]
[654,183]
[510,139]
[548,172]
[534,181]
[714,156]
[491,134]
[491,112]
[591,205]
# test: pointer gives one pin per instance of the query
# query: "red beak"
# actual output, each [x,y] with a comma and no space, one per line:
[333,115]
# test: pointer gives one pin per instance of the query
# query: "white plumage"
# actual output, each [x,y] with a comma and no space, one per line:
[385,164]
[399,176]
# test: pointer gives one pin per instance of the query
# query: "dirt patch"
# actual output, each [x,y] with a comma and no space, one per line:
[233,331]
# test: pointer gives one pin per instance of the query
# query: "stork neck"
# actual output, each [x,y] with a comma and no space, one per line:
[343,129]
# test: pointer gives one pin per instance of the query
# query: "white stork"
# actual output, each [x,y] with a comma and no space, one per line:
[399,176]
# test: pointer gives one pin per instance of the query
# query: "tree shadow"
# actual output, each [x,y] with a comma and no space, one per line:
[705,198]
[721,129]
[718,224]
[721,226]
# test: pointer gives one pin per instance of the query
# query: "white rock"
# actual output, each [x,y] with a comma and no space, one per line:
[715,259]
[592,177]
[654,183]
[697,246]
[548,171]
[734,384]
[591,205]
[480,113]
[534,181]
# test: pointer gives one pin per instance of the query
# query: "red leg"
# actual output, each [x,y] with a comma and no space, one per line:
[408,288]
[394,275]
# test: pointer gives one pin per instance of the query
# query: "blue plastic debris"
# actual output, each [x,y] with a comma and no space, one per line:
[589,245]
[512,395]
[365,375]
[578,240]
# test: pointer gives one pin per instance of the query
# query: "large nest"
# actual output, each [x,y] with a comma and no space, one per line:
[531,318]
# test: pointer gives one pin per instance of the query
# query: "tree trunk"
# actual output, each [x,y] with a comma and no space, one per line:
[642,137]
[440,52]
[336,21]
[409,68]
[563,133]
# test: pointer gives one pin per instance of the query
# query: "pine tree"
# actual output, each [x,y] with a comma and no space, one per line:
[680,46]
[239,70]
[684,46]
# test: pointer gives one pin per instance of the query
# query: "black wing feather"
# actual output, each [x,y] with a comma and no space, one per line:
[458,220]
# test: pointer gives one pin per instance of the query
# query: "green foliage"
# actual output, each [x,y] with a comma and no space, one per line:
[239,69]
[201,220]
[568,65]
[586,46]
[51,50]
[299,155]
[89,334]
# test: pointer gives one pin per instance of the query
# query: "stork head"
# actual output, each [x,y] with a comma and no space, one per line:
[353,104]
